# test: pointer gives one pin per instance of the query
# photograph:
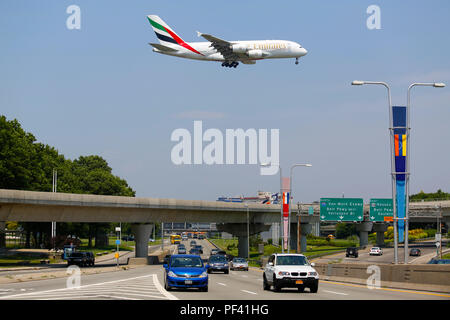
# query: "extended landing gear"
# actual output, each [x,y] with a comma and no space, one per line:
[233,64]
[296,60]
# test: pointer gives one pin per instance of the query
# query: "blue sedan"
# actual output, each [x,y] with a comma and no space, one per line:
[185,271]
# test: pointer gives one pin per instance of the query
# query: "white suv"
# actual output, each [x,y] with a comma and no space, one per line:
[291,271]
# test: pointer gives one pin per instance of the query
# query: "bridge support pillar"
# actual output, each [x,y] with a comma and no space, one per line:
[141,234]
[380,229]
[2,235]
[305,229]
[364,228]
[240,230]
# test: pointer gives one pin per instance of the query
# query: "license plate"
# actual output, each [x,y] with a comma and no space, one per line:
[187,281]
[299,282]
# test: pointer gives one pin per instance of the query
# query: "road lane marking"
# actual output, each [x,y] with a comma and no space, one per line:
[222,284]
[162,290]
[251,292]
[81,287]
[244,276]
[389,289]
[344,294]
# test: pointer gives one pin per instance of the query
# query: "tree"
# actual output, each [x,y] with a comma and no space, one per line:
[344,230]
[438,195]
[28,165]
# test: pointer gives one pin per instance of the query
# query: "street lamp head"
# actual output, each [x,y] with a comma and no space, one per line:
[357,83]
[439,85]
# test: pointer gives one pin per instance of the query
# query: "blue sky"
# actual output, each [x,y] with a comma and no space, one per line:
[101,90]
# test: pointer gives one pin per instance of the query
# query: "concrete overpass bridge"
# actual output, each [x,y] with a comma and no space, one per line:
[31,206]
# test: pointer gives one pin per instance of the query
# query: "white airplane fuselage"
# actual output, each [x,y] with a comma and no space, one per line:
[254,50]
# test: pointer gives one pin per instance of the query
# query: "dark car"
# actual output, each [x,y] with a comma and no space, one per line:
[194,251]
[218,251]
[128,238]
[415,252]
[193,243]
[81,259]
[199,247]
[439,261]
[218,262]
[352,251]
[201,237]
[214,251]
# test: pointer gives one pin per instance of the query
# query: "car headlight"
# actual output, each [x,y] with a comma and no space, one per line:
[283,273]
[171,274]
[312,274]
[203,275]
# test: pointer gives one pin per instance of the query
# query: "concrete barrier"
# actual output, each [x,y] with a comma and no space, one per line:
[414,277]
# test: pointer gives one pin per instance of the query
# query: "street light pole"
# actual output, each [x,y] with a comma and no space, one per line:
[290,197]
[55,186]
[248,233]
[408,129]
[280,196]
[391,131]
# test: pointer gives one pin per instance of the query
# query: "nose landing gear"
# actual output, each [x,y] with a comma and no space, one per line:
[296,60]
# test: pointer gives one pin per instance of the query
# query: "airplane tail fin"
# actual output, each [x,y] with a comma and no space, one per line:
[165,34]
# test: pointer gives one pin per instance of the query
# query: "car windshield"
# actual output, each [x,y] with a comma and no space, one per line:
[375,248]
[77,255]
[291,261]
[239,260]
[218,259]
[186,262]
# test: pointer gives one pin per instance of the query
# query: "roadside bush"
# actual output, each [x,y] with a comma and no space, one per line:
[430,233]
[269,241]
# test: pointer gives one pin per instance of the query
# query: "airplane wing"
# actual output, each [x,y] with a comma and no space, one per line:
[222,46]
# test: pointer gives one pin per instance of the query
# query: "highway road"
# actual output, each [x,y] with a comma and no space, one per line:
[147,283]
[428,250]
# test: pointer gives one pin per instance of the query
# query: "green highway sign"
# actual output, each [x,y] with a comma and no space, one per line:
[341,209]
[381,210]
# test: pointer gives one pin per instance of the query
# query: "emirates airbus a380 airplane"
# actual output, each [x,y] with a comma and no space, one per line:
[230,53]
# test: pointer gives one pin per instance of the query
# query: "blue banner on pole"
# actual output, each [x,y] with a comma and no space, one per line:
[400,136]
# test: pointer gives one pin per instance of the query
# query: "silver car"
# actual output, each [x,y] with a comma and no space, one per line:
[239,264]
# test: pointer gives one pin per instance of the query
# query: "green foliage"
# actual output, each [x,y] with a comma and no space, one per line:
[438,195]
[344,230]
[430,232]
[28,165]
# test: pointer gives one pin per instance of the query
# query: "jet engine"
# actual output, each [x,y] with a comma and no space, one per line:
[239,48]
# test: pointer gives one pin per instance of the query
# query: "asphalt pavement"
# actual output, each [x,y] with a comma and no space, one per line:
[147,282]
